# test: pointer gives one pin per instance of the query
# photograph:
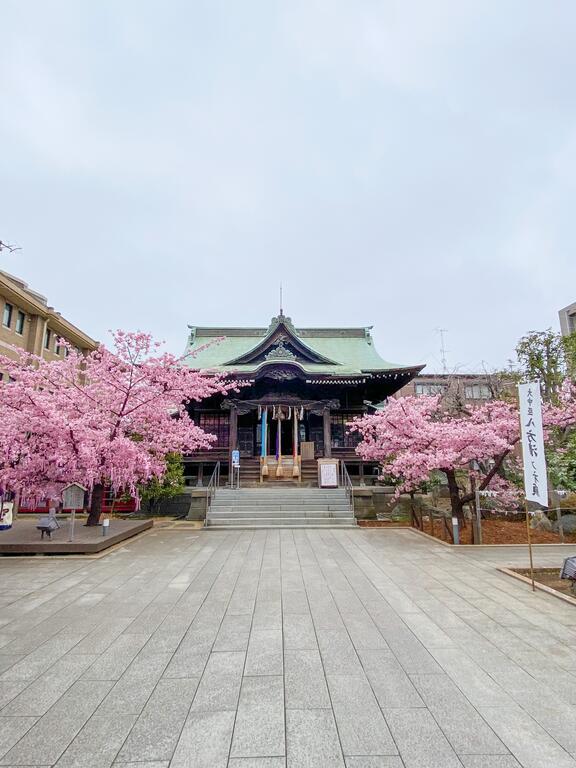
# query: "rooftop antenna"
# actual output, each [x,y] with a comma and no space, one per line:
[442,331]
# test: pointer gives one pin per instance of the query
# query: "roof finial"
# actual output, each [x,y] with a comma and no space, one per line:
[281,310]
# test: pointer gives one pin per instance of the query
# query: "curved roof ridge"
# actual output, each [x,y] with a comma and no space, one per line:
[281,330]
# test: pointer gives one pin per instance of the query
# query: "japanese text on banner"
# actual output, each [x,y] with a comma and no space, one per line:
[535,478]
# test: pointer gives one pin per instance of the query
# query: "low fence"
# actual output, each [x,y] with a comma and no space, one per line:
[433,521]
[559,521]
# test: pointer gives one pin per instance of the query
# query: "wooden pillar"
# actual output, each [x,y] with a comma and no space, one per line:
[200,480]
[327,433]
[362,473]
[233,439]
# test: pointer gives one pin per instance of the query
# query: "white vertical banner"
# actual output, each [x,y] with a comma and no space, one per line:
[535,478]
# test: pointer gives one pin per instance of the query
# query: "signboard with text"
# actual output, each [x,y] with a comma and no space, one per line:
[73,496]
[328,473]
[532,433]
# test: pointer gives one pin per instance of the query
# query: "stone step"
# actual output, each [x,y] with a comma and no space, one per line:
[310,506]
[264,527]
[280,488]
[286,498]
[316,492]
[278,504]
[271,522]
[229,512]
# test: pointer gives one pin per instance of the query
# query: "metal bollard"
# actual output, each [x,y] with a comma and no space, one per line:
[455,531]
[559,520]
[72,521]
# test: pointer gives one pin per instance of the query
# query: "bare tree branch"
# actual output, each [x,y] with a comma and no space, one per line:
[7,247]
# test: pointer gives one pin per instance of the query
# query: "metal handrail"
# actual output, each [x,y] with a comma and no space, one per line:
[347,484]
[234,480]
[213,485]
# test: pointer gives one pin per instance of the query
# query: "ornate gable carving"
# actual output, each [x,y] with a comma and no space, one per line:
[281,320]
[280,352]
[281,344]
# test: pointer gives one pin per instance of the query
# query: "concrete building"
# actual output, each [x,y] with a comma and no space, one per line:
[29,323]
[568,319]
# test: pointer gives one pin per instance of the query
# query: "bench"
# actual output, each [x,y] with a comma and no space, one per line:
[46,525]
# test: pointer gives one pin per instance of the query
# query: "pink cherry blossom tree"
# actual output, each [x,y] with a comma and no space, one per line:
[563,414]
[108,418]
[414,436]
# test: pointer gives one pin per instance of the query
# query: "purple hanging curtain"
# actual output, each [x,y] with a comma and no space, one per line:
[277,439]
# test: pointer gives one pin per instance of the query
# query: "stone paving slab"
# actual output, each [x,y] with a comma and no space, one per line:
[305,681]
[285,649]
[259,728]
[158,729]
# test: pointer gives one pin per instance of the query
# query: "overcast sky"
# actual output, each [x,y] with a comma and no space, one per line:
[407,164]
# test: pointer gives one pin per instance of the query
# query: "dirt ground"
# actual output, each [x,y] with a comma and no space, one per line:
[498,531]
[549,577]
[383,523]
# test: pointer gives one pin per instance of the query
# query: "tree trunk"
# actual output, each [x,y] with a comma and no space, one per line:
[455,500]
[96,505]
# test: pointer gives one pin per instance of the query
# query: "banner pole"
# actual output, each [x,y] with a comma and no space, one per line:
[529,545]
[478,518]
[533,453]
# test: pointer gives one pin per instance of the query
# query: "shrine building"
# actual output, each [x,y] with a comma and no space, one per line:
[301,387]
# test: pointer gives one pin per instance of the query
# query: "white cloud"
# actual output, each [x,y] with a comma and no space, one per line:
[398,162]
[541,247]
[404,43]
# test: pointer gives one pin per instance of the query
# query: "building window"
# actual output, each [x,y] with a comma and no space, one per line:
[20,319]
[477,392]
[47,338]
[7,318]
[431,389]
[58,348]
[341,438]
[217,424]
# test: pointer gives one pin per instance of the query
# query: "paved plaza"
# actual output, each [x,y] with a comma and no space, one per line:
[298,648]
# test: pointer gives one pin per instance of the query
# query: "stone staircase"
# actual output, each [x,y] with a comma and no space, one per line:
[285,507]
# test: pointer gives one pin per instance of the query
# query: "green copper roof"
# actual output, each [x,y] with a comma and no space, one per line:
[328,351]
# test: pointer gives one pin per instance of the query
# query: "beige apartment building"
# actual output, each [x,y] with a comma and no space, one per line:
[29,323]
[568,319]
[467,388]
